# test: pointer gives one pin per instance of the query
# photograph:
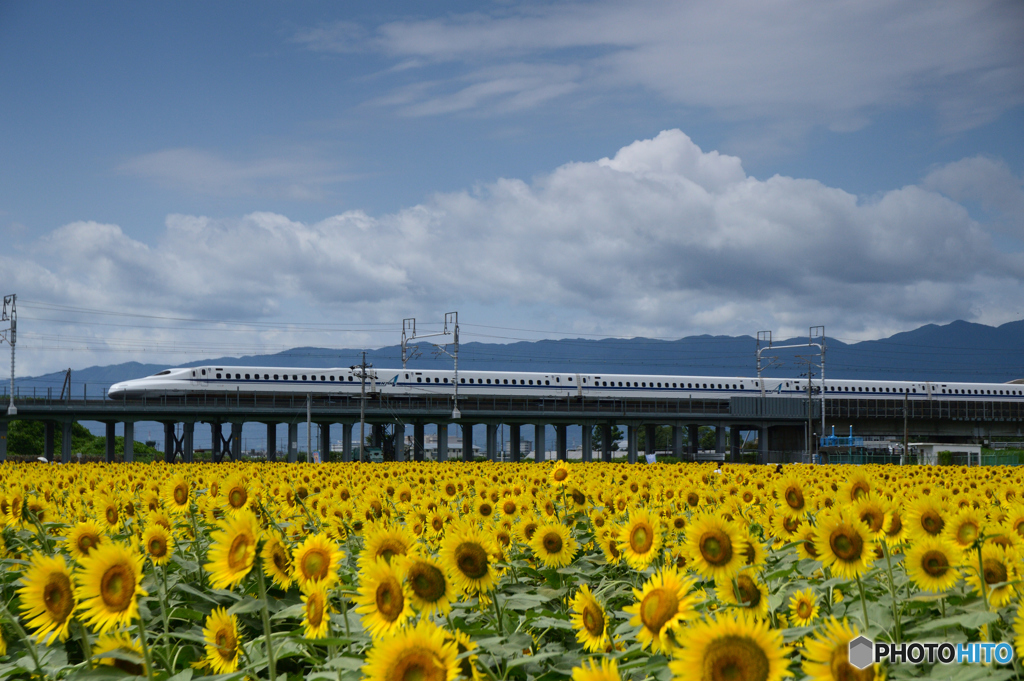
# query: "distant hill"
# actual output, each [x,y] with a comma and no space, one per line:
[959,351]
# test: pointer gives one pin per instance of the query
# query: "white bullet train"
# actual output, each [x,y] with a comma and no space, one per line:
[471,383]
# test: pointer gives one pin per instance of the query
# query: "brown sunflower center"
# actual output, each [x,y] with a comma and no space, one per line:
[180,495]
[315,610]
[804,609]
[791,523]
[932,522]
[87,543]
[873,519]
[994,570]
[237,552]
[509,507]
[657,608]
[427,582]
[57,597]
[895,525]
[842,670]
[552,542]
[226,644]
[471,559]
[692,499]
[747,592]
[529,529]
[111,514]
[315,564]
[735,658]
[716,547]
[560,474]
[417,664]
[967,533]
[390,600]
[641,538]
[390,548]
[279,557]
[859,489]
[117,587]
[486,510]
[795,498]
[237,497]
[846,543]
[935,563]
[810,548]
[593,619]
[157,547]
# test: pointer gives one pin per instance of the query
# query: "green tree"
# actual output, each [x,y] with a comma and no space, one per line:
[596,438]
[706,437]
[27,438]
[662,438]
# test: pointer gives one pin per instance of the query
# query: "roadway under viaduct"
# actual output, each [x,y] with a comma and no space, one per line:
[779,421]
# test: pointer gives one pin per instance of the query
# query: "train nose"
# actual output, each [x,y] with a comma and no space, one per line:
[117,391]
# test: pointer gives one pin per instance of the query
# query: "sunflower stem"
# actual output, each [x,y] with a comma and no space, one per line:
[163,612]
[892,592]
[84,640]
[145,647]
[981,577]
[863,602]
[24,637]
[265,612]
[497,614]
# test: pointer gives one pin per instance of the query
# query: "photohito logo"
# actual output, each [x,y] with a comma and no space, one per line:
[863,652]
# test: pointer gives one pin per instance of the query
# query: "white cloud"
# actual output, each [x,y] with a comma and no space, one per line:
[985,180]
[834,64]
[661,239]
[203,172]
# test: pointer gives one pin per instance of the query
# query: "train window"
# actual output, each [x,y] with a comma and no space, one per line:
[733,386]
[419,380]
[719,386]
[569,379]
[332,378]
[237,377]
[488,380]
[943,391]
[218,375]
[787,384]
[914,389]
[351,378]
[204,372]
[470,380]
[547,382]
[462,380]
[689,385]
[705,385]
[635,384]
[531,382]
[557,380]
[407,375]
[247,377]
[323,378]
[674,385]
[504,381]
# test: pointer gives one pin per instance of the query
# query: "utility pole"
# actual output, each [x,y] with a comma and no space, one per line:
[10,314]
[362,403]
[450,319]
[309,427]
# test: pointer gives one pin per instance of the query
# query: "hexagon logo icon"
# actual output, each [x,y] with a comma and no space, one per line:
[861,652]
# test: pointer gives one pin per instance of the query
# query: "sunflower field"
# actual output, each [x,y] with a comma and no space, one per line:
[440,571]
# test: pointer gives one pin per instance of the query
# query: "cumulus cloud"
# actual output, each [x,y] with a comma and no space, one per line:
[662,239]
[833,64]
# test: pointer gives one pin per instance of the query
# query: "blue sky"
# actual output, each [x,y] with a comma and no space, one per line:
[310,174]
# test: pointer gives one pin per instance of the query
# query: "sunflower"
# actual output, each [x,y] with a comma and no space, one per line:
[717,547]
[805,543]
[964,528]
[560,474]
[236,493]
[746,592]
[826,654]
[233,550]
[83,537]
[664,603]
[467,655]
[419,652]
[1018,629]
[931,563]
[791,495]
[316,560]
[873,513]
[609,543]
[804,607]
[383,600]
[429,588]
[177,494]
[999,570]
[589,621]
[895,530]
[47,597]
[108,581]
[316,611]
[108,510]
[786,526]
[159,544]
[385,541]
[554,545]
[843,544]
[223,646]
[731,646]
[592,669]
[121,652]
[925,516]
[640,539]
[466,554]
[277,562]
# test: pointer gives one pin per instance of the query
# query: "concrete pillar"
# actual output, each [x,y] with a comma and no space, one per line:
[762,444]
[539,446]
[606,442]
[188,434]
[492,441]
[3,441]
[293,442]
[677,442]
[377,435]
[719,439]
[633,440]
[170,450]
[325,442]
[693,433]
[417,441]
[588,443]
[65,443]
[650,439]
[515,451]
[734,444]
[236,441]
[271,442]
[561,446]
[442,442]
[48,440]
[111,441]
[346,442]
[216,433]
[467,441]
[399,442]
[129,441]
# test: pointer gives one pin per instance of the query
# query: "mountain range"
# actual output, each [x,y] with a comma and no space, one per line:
[959,351]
